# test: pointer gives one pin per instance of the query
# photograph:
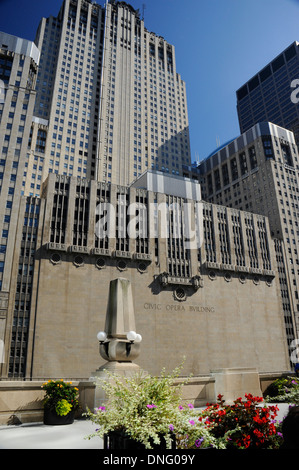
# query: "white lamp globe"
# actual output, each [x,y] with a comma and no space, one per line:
[131,336]
[101,336]
[138,338]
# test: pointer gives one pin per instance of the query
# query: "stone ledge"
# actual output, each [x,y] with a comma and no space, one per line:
[22,402]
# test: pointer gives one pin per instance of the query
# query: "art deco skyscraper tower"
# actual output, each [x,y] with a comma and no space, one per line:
[144,121]
[109,89]
[18,69]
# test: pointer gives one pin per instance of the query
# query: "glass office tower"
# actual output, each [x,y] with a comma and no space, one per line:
[268,95]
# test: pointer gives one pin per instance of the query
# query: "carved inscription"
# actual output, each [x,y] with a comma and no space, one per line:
[178,308]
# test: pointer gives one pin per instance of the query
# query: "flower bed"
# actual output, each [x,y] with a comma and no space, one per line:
[245,424]
[149,411]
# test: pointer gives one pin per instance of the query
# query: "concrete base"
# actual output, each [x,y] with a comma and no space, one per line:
[235,382]
[123,369]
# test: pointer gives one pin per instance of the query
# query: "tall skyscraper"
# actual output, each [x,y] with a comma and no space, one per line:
[111,95]
[267,97]
[18,70]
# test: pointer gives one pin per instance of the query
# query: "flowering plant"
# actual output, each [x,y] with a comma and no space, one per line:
[191,433]
[148,409]
[60,396]
[287,390]
[245,424]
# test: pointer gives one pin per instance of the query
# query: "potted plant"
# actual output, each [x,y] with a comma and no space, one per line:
[146,412]
[60,403]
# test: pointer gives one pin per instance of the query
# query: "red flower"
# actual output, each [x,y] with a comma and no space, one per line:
[253,420]
[246,441]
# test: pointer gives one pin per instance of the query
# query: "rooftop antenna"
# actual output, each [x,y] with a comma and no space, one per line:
[217,142]
[143,10]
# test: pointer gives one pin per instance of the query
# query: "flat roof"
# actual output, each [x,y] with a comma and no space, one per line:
[237,144]
[20,46]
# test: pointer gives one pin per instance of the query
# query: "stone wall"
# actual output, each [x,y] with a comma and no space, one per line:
[224,324]
[22,402]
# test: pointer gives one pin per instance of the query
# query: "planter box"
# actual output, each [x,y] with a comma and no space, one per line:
[53,419]
[120,440]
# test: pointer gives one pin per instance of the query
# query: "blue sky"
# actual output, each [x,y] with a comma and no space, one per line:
[220,44]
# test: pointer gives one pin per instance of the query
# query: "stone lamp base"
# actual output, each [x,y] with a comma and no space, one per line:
[122,369]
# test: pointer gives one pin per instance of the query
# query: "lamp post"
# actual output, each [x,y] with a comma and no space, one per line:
[119,343]
[118,349]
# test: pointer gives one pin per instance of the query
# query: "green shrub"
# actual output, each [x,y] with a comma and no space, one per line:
[287,391]
[60,396]
[63,407]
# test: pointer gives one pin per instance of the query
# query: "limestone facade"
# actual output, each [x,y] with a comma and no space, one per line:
[218,303]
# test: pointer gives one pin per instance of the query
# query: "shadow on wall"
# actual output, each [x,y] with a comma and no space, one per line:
[171,155]
[31,412]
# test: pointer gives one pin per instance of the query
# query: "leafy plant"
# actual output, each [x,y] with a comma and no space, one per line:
[277,387]
[287,391]
[60,396]
[63,407]
[245,424]
[148,409]
[191,433]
